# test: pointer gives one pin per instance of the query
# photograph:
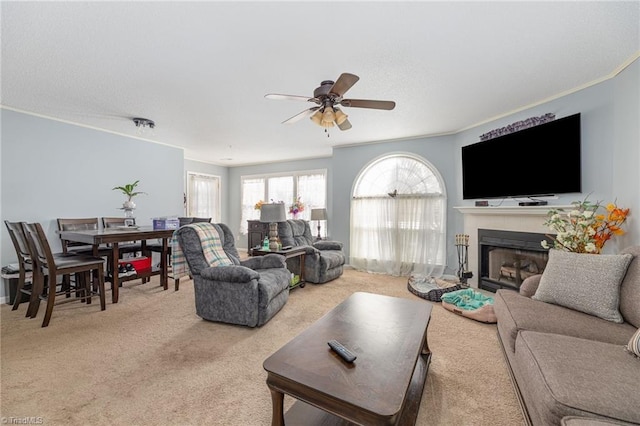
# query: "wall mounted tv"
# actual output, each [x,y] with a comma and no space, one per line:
[542,160]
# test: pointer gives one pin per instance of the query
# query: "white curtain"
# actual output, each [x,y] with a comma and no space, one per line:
[203,196]
[398,236]
[398,216]
[252,192]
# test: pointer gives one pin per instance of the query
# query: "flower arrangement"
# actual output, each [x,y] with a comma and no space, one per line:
[296,207]
[258,205]
[584,229]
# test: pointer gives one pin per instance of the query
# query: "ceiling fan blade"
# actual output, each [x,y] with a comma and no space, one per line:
[277,96]
[344,83]
[301,115]
[367,103]
[345,125]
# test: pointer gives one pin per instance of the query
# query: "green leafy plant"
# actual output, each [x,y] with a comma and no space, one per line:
[129,190]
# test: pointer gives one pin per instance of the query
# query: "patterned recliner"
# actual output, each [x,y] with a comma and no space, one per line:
[249,292]
[324,260]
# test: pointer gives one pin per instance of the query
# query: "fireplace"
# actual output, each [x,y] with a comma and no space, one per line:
[506,258]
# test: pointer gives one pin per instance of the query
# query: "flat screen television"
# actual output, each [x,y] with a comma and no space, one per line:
[543,160]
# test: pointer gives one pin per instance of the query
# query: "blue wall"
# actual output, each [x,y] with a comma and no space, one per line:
[54,169]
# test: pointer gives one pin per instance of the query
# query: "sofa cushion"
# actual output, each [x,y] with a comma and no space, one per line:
[271,283]
[588,283]
[630,289]
[516,313]
[295,233]
[567,376]
[333,258]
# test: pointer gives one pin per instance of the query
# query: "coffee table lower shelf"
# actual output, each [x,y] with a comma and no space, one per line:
[303,414]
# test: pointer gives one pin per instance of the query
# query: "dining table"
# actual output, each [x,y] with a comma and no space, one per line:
[112,237]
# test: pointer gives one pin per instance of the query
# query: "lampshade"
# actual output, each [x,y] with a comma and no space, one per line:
[328,114]
[317,117]
[273,212]
[325,117]
[340,116]
[318,214]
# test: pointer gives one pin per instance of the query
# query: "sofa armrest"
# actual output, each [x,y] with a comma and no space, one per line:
[530,285]
[230,273]
[328,245]
[265,262]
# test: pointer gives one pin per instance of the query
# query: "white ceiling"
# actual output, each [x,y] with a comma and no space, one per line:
[201,69]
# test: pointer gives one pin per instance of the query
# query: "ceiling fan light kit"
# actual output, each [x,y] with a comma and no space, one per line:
[328,95]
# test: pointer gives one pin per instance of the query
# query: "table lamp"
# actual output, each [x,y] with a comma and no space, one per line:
[319,214]
[272,214]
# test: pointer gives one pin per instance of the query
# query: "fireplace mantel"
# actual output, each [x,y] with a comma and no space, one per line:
[510,210]
[505,218]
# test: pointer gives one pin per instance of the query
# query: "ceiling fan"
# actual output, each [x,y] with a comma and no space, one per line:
[327,97]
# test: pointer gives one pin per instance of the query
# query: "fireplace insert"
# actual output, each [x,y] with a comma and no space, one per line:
[506,258]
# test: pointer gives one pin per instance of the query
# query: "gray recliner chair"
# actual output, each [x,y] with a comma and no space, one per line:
[324,260]
[249,292]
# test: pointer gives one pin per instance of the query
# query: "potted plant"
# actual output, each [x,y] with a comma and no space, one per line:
[130,191]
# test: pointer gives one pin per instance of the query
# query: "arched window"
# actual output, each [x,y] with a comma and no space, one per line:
[398,214]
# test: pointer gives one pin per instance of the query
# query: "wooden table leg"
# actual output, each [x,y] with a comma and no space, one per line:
[164,274]
[115,281]
[302,263]
[277,399]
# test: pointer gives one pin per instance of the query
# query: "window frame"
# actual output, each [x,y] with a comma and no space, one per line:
[216,215]
[266,176]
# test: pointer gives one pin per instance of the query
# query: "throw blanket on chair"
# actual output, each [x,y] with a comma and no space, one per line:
[211,248]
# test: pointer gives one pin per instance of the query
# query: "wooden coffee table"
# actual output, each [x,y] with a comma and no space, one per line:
[382,387]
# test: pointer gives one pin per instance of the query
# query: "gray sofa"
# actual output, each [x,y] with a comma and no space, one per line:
[324,260]
[249,292]
[571,367]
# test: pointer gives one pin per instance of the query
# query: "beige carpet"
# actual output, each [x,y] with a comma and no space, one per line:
[149,360]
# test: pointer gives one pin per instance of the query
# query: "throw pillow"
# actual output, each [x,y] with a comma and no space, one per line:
[634,343]
[588,283]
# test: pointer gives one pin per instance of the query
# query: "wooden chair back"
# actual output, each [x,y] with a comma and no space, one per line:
[19,241]
[45,264]
[21,246]
[112,222]
[80,224]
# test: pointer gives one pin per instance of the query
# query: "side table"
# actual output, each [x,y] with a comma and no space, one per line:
[291,253]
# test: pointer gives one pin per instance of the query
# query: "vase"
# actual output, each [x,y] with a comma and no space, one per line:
[128,205]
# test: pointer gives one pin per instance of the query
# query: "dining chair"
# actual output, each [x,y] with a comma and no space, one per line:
[80,224]
[88,270]
[116,222]
[25,281]
[75,247]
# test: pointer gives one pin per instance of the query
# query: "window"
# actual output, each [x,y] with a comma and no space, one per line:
[310,186]
[203,196]
[398,213]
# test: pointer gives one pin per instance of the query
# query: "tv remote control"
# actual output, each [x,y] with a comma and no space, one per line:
[341,350]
